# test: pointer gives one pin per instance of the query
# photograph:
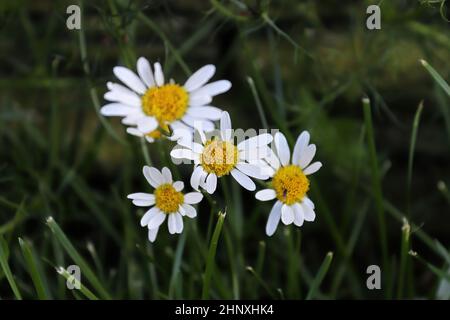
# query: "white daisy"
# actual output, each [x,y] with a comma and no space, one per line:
[147,102]
[290,184]
[220,156]
[166,200]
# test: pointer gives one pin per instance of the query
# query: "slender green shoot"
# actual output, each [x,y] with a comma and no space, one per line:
[262,115]
[6,270]
[320,276]
[412,146]
[210,262]
[76,283]
[77,258]
[34,269]
[376,186]
[405,247]
[436,76]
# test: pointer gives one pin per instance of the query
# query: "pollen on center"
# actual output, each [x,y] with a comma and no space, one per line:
[219,157]
[167,103]
[290,184]
[168,199]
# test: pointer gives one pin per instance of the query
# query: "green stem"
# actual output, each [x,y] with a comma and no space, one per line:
[210,262]
[376,186]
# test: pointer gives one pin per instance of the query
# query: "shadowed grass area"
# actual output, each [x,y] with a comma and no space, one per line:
[381,196]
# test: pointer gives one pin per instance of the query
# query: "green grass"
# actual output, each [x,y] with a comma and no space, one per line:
[381,196]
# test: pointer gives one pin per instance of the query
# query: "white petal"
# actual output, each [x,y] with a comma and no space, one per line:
[181,210]
[287,214]
[167,175]
[243,180]
[145,72]
[184,154]
[172,224]
[152,233]
[203,124]
[255,155]
[300,145]
[178,185]
[154,183]
[200,77]
[266,194]
[211,183]
[255,142]
[133,118]
[314,167]
[116,109]
[150,214]
[308,202]
[141,196]
[251,171]
[159,75]
[143,203]
[134,132]
[189,210]
[156,175]
[201,133]
[193,197]
[205,112]
[225,126]
[307,155]
[196,122]
[124,96]
[129,78]
[274,218]
[213,88]
[298,214]
[179,222]
[309,213]
[196,176]
[156,220]
[147,124]
[197,100]
[282,148]
[273,160]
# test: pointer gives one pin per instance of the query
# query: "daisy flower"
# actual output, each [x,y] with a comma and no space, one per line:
[166,201]
[147,102]
[290,183]
[220,156]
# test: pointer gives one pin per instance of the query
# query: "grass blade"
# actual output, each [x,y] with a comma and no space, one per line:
[405,247]
[6,269]
[412,146]
[210,262]
[376,186]
[436,76]
[35,270]
[88,293]
[77,258]
[320,276]
[262,115]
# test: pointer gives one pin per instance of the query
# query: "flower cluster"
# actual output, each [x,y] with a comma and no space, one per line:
[155,109]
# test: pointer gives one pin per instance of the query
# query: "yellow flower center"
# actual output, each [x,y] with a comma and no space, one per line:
[167,103]
[167,198]
[290,184]
[219,157]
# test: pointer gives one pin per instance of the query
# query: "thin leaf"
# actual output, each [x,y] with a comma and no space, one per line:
[320,276]
[210,262]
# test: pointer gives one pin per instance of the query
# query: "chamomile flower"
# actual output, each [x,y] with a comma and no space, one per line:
[147,103]
[166,201]
[220,156]
[290,183]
